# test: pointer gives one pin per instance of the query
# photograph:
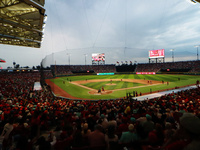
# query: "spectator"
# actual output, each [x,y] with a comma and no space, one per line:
[169,131]
[104,121]
[148,125]
[156,137]
[43,144]
[111,138]
[128,136]
[187,137]
[8,128]
[97,138]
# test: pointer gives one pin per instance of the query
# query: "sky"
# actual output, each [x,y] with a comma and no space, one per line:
[125,30]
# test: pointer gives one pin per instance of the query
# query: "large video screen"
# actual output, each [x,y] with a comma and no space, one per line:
[160,53]
[98,57]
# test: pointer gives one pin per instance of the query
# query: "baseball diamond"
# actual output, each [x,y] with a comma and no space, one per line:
[116,86]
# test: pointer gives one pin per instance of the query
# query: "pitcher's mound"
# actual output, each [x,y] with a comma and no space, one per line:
[95,92]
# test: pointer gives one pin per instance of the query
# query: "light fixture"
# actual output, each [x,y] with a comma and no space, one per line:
[45,18]
[85,58]
[197,51]
[172,50]
[44,24]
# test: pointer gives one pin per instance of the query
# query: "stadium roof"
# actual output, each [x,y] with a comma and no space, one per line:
[21,22]
[195,1]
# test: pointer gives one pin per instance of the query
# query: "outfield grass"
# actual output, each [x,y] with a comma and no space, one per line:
[80,92]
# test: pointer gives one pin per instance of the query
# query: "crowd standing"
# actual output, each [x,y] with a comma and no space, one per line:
[38,120]
[69,69]
[192,66]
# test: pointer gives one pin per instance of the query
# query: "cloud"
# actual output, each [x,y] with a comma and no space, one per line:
[122,29]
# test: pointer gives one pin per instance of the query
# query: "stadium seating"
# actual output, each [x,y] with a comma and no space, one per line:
[36,113]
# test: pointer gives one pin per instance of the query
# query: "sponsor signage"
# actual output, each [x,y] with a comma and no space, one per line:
[145,73]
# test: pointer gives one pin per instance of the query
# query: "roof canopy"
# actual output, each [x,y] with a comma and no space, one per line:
[21,22]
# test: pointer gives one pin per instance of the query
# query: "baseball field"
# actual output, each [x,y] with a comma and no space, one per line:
[95,87]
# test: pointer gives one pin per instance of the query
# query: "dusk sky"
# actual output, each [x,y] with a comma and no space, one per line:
[125,30]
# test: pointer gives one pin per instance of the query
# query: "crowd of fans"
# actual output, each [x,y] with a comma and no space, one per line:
[190,66]
[47,74]
[69,69]
[38,120]
[155,67]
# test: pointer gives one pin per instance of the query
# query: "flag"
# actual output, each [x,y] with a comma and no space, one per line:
[2,60]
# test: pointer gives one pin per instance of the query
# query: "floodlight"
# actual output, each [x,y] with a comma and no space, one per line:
[45,18]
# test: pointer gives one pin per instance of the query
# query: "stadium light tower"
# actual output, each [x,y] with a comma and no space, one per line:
[85,58]
[68,57]
[172,54]
[197,51]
